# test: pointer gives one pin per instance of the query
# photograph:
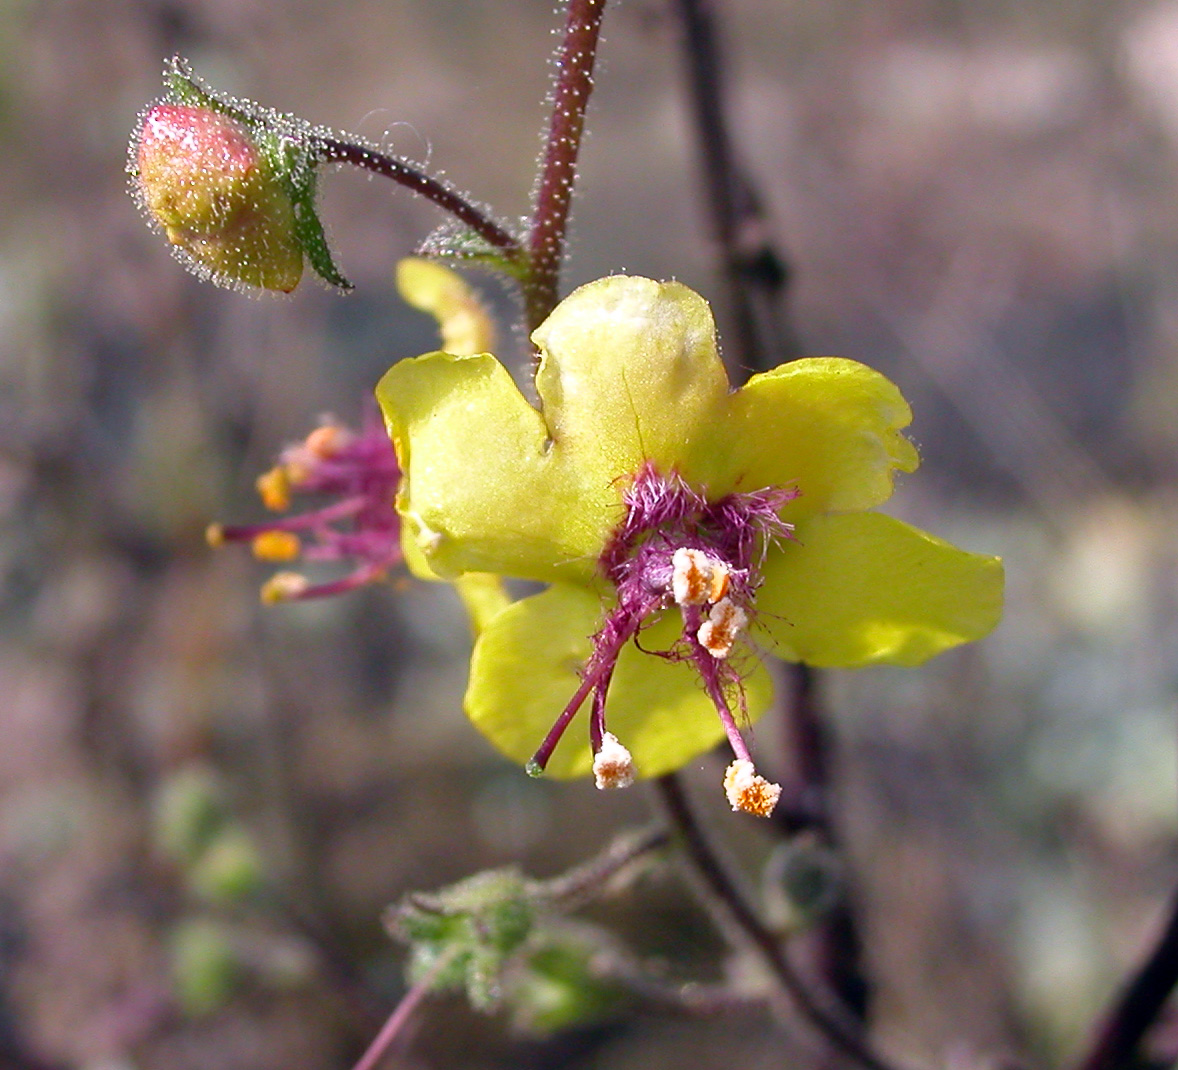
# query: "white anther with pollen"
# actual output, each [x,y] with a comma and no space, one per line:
[749,792]
[696,578]
[722,628]
[613,767]
[283,586]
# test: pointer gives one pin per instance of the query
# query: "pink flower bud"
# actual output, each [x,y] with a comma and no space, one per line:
[201,175]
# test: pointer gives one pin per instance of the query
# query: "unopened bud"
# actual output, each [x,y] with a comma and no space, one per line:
[202,176]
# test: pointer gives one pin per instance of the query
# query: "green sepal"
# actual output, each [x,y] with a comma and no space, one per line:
[560,984]
[309,230]
[183,88]
[456,244]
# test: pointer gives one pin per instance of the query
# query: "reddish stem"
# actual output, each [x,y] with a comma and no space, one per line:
[419,182]
[389,1032]
[554,192]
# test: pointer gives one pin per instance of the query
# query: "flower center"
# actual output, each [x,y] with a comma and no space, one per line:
[674,547]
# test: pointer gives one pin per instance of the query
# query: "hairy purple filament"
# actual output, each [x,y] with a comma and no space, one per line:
[360,471]
[663,515]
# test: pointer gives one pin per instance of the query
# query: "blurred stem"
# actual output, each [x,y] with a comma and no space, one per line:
[693,999]
[404,1010]
[558,173]
[362,1001]
[834,946]
[1138,1005]
[586,881]
[724,898]
[755,275]
[446,198]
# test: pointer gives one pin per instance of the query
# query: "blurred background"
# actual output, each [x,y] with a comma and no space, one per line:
[979,199]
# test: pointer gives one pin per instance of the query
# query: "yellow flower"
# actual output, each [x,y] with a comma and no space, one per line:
[669,515]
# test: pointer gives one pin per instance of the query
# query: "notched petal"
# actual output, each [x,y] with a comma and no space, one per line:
[629,373]
[829,426]
[481,492]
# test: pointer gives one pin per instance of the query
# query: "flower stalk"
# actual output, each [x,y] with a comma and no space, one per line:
[341,150]
[558,174]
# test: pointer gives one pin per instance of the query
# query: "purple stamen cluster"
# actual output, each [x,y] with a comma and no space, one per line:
[357,474]
[664,515]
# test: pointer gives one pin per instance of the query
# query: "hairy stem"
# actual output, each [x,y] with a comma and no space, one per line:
[725,898]
[558,173]
[446,198]
[585,882]
[1138,1004]
[404,1010]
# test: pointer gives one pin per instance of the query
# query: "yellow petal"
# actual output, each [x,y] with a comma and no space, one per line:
[629,373]
[829,426]
[864,588]
[464,322]
[484,596]
[481,491]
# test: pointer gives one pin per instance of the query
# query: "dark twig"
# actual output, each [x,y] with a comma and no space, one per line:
[1138,1005]
[554,191]
[755,273]
[724,896]
[834,947]
[446,198]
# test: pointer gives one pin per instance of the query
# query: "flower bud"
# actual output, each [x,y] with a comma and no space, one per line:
[230,871]
[206,966]
[205,179]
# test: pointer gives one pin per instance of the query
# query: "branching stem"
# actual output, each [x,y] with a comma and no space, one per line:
[724,895]
[586,881]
